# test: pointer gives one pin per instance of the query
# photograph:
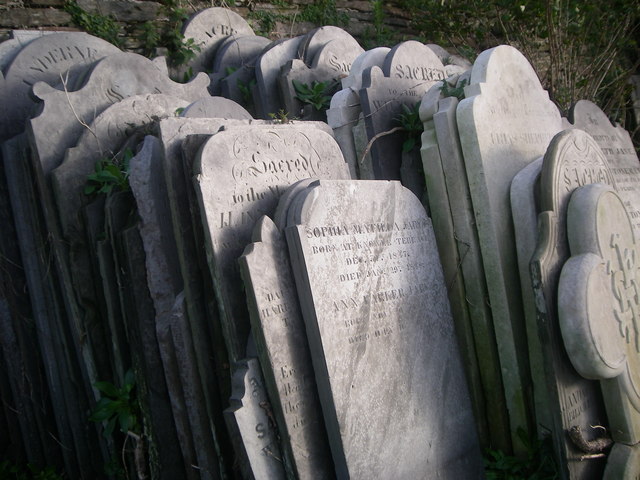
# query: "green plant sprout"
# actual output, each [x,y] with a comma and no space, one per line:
[117,406]
[451,91]
[409,121]
[316,94]
[110,174]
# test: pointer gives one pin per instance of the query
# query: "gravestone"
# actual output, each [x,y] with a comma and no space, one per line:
[363,61]
[342,116]
[408,71]
[65,115]
[283,350]
[623,462]
[266,95]
[598,306]
[239,85]
[380,331]
[505,122]
[18,39]
[233,54]
[209,28]
[459,249]
[147,182]
[251,427]
[47,59]
[573,159]
[215,107]
[317,38]
[617,146]
[239,175]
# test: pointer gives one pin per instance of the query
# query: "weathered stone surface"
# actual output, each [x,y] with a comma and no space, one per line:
[215,107]
[66,115]
[47,59]
[458,244]
[279,331]
[623,462]
[18,39]
[252,431]
[342,116]
[235,53]
[208,28]
[267,95]
[617,146]
[363,61]
[382,99]
[505,122]
[239,176]
[238,86]
[380,331]
[598,306]
[573,159]
[317,38]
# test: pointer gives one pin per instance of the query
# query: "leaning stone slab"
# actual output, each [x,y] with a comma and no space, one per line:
[598,303]
[617,146]
[505,122]
[208,29]
[316,39]
[342,116]
[363,61]
[49,59]
[382,98]
[283,350]
[380,331]
[239,176]
[623,462]
[266,96]
[572,160]
[251,427]
[457,240]
[215,107]
[234,54]
[18,39]
[65,115]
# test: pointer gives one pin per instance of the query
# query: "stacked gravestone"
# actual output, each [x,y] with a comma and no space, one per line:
[408,71]
[598,309]
[207,30]
[457,239]
[379,342]
[235,53]
[47,59]
[325,56]
[505,122]
[540,194]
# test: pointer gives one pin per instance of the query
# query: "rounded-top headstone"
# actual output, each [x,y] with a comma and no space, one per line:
[414,61]
[52,59]
[338,56]
[317,38]
[208,29]
[363,61]
[238,51]
[215,107]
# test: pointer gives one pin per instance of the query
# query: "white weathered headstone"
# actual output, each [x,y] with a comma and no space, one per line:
[505,122]
[379,326]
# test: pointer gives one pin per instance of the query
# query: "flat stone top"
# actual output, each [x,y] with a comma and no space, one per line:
[45,59]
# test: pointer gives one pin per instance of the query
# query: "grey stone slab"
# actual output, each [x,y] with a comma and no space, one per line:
[453,64]
[66,115]
[215,107]
[238,86]
[234,54]
[597,306]
[239,175]
[370,58]
[46,59]
[253,432]
[342,116]
[209,28]
[317,38]
[363,150]
[165,459]
[380,331]
[623,462]
[279,332]
[147,182]
[412,60]
[459,248]
[17,40]
[267,95]
[382,99]
[66,374]
[617,146]
[573,159]
[505,122]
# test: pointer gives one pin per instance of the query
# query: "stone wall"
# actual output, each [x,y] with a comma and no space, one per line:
[274,21]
